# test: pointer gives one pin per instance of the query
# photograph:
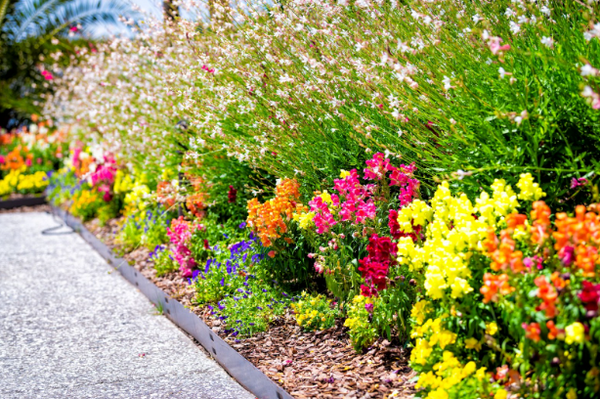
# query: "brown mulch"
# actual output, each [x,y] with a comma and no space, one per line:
[319,364]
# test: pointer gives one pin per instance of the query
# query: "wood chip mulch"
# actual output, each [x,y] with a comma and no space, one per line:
[319,364]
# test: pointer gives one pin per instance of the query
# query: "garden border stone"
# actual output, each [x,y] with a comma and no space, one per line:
[235,364]
[25,201]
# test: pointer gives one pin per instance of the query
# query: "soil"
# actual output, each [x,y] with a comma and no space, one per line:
[319,364]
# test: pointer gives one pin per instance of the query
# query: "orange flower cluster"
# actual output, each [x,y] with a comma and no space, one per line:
[578,238]
[548,294]
[492,285]
[532,331]
[165,193]
[14,160]
[196,203]
[268,219]
[540,216]
[504,255]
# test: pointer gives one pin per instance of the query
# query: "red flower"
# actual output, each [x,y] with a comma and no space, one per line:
[590,295]
[231,195]
[375,267]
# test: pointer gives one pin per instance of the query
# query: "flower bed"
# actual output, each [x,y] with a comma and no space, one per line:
[27,157]
[428,183]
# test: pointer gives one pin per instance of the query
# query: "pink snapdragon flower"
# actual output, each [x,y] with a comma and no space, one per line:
[180,234]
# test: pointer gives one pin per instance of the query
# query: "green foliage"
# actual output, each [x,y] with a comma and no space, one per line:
[163,261]
[250,309]
[147,227]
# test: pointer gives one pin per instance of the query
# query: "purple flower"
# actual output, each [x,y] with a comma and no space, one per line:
[369,307]
[222,282]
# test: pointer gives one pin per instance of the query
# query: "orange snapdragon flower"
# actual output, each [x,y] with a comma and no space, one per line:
[579,235]
[505,257]
[549,296]
[493,285]
[540,229]
[268,219]
[532,331]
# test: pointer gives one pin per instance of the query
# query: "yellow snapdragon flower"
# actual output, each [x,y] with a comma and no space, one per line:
[530,191]
[575,333]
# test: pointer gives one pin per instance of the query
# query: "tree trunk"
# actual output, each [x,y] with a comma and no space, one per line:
[169,10]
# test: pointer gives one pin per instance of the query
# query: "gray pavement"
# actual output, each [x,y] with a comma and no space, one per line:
[71,329]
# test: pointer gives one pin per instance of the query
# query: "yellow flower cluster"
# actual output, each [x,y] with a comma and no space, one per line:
[314,313]
[447,374]
[304,220]
[135,190]
[437,336]
[453,232]
[530,191]
[123,182]
[575,333]
[85,203]
[17,181]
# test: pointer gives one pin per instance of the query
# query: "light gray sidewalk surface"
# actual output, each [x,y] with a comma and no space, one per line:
[71,329]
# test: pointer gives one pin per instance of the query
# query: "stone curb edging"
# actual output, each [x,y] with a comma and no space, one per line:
[235,364]
[25,201]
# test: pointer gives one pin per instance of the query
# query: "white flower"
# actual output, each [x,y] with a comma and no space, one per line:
[286,79]
[588,70]
[545,10]
[476,18]
[587,92]
[446,82]
[514,27]
[509,12]
[548,42]
[502,72]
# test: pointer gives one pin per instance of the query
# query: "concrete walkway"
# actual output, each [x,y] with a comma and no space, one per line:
[71,329]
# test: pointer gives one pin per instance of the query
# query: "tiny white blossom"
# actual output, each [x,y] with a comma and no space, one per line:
[502,72]
[286,79]
[588,70]
[446,82]
[588,92]
[548,42]
[514,27]
[545,10]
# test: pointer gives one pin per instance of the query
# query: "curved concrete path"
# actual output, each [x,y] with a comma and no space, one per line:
[71,329]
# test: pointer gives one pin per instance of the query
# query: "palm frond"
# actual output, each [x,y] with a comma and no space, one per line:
[41,17]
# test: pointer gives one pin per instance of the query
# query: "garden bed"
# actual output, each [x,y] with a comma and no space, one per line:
[307,364]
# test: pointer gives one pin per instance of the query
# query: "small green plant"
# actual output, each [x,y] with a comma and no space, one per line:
[362,332]
[163,261]
[315,312]
[251,308]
